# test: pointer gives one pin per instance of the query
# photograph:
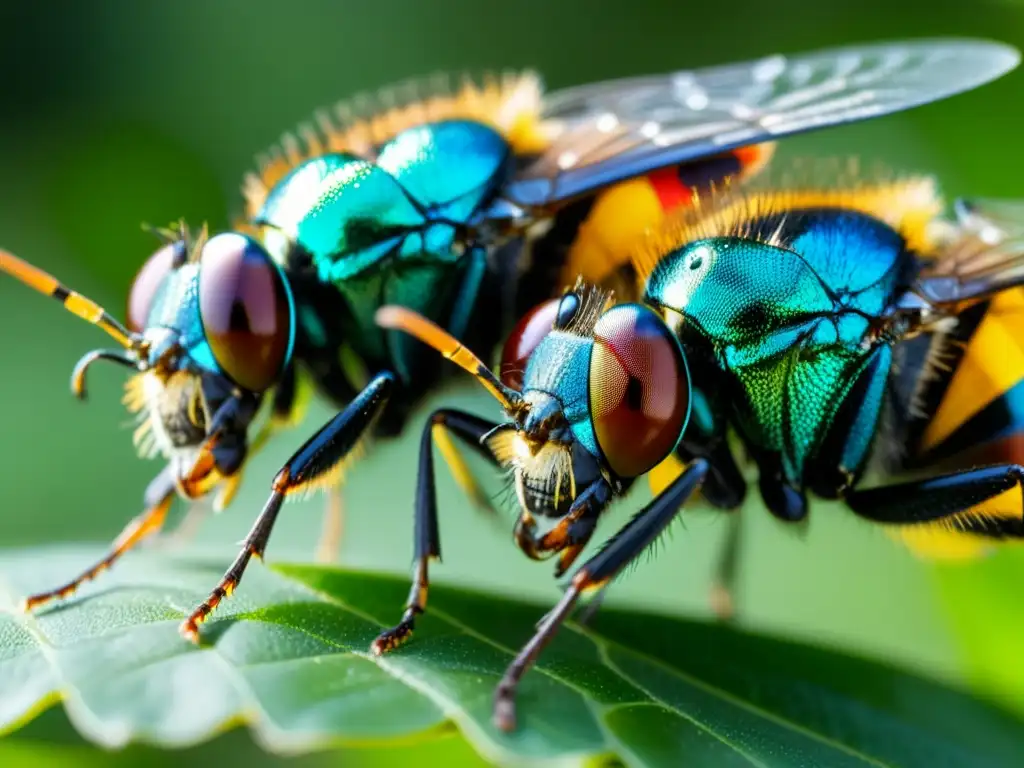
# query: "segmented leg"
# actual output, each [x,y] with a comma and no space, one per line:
[186,531]
[469,290]
[951,497]
[329,543]
[289,407]
[787,503]
[158,498]
[623,548]
[281,411]
[571,534]
[442,436]
[312,463]
[470,429]
[725,486]
[723,584]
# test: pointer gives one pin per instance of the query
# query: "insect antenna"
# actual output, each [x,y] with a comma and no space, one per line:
[111,355]
[73,302]
[402,319]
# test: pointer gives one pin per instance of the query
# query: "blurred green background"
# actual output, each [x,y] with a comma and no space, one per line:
[113,114]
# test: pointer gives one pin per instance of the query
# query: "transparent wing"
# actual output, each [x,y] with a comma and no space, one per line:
[992,219]
[985,256]
[610,131]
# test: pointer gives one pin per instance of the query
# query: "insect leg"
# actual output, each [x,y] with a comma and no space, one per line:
[724,488]
[332,528]
[785,502]
[963,500]
[471,429]
[571,534]
[158,498]
[723,583]
[465,301]
[234,451]
[311,465]
[631,541]
[187,530]
[442,432]
[287,409]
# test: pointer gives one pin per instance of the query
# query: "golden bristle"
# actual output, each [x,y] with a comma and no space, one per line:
[908,205]
[594,300]
[135,393]
[305,389]
[179,231]
[196,242]
[144,440]
[135,401]
[551,466]
[946,539]
[510,104]
[333,477]
[502,444]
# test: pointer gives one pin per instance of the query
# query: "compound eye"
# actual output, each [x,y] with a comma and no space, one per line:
[148,281]
[246,309]
[639,389]
[528,333]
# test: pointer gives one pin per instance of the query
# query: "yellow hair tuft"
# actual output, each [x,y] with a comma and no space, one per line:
[909,205]
[509,103]
[947,540]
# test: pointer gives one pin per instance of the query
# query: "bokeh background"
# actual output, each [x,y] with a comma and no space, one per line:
[113,114]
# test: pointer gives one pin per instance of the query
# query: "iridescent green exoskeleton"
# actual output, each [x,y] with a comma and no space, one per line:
[425,200]
[789,321]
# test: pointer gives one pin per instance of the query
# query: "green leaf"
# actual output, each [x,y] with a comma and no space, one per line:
[288,656]
[981,600]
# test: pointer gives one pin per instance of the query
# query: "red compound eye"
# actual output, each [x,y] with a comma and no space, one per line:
[147,284]
[534,326]
[639,389]
[246,310]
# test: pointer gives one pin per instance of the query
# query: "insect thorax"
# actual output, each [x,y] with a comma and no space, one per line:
[386,230]
[790,317]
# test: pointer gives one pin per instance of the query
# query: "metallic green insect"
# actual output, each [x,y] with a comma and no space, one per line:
[422,199]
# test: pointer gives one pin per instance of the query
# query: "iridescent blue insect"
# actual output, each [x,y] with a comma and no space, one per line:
[426,201]
[818,329]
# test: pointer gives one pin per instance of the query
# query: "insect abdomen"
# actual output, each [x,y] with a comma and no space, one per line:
[972,404]
[622,214]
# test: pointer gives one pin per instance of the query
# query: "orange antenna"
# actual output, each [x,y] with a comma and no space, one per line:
[73,302]
[402,319]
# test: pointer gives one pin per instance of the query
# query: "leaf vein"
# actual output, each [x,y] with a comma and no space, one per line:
[603,651]
[603,643]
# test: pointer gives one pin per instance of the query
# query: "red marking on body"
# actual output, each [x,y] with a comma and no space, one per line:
[749,155]
[671,191]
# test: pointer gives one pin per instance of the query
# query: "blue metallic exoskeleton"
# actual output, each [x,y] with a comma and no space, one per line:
[811,333]
[465,205]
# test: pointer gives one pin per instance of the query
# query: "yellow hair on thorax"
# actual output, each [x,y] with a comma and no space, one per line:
[510,103]
[909,205]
